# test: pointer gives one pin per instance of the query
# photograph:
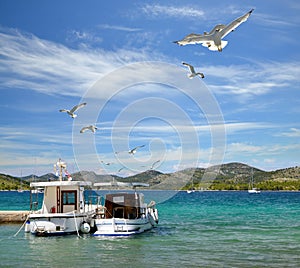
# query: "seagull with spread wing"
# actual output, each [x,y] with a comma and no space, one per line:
[192,70]
[90,127]
[213,40]
[132,151]
[73,110]
[106,163]
[156,162]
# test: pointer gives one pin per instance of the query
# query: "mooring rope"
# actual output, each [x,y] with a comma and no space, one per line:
[76,225]
[21,226]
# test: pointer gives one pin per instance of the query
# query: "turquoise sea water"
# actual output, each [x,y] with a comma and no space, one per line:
[202,229]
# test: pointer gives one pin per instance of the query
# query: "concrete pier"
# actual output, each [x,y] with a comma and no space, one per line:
[10,216]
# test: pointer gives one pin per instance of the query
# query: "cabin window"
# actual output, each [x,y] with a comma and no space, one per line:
[69,197]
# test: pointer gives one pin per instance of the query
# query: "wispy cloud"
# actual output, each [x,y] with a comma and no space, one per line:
[255,79]
[33,63]
[293,133]
[40,65]
[83,37]
[186,12]
[118,28]
[269,20]
[259,150]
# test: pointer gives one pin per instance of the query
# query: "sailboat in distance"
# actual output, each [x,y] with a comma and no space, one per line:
[252,189]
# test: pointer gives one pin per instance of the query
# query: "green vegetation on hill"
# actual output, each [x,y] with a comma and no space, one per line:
[231,176]
[236,176]
[11,183]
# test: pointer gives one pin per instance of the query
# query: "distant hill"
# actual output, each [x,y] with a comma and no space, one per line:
[93,177]
[230,176]
[34,178]
[8,182]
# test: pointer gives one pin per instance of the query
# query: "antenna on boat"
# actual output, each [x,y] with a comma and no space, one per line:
[60,165]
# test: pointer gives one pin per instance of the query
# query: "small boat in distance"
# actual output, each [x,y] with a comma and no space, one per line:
[252,189]
[63,210]
[124,213]
[190,191]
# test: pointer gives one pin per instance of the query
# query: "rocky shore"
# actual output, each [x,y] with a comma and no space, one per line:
[10,216]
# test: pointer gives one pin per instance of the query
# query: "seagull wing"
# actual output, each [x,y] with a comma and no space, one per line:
[63,110]
[132,151]
[217,28]
[84,129]
[75,108]
[155,163]
[189,66]
[201,74]
[237,22]
[194,39]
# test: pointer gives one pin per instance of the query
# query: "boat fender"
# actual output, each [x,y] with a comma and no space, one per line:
[27,226]
[85,228]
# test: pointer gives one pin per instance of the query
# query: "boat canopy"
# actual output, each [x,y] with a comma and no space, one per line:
[60,183]
[121,184]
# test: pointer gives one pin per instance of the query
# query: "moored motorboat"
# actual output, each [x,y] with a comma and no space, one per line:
[124,213]
[63,210]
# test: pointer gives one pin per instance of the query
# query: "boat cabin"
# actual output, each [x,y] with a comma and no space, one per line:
[124,205]
[62,196]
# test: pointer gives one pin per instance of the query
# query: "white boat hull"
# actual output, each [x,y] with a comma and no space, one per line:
[126,227]
[55,224]
[121,227]
[254,191]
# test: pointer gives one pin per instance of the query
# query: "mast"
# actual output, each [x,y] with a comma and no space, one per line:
[61,166]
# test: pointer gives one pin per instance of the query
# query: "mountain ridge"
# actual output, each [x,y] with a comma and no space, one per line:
[229,176]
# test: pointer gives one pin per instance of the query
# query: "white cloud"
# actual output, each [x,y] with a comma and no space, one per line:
[172,11]
[118,28]
[83,37]
[36,64]
[294,132]
[235,149]
[256,79]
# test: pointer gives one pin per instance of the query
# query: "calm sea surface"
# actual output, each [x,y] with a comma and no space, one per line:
[201,229]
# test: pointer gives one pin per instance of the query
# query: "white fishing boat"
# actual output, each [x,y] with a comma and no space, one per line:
[252,189]
[63,210]
[190,191]
[124,213]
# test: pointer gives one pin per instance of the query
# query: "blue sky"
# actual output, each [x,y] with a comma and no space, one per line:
[120,58]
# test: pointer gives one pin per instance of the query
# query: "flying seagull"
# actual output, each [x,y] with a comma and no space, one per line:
[106,163]
[121,169]
[213,39]
[192,70]
[91,128]
[155,164]
[73,110]
[133,151]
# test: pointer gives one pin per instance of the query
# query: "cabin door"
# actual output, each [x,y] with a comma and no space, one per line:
[68,201]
